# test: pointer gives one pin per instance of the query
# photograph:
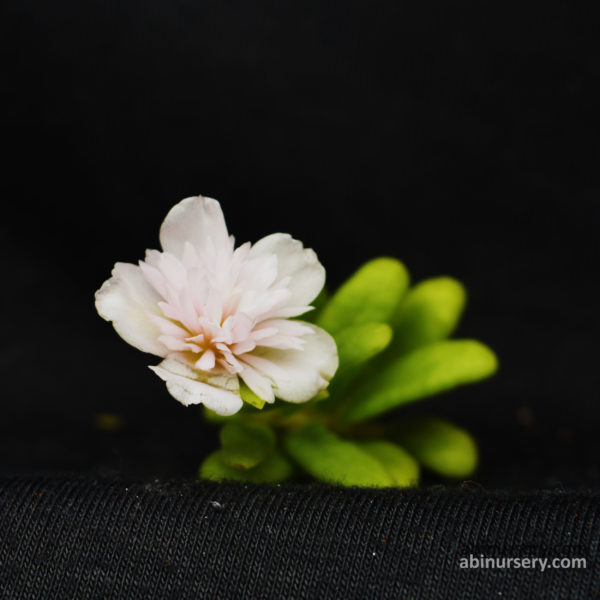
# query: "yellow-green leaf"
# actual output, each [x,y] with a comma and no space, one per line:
[276,467]
[358,343]
[371,294]
[429,312]
[250,397]
[329,458]
[439,445]
[423,372]
[245,444]
[399,464]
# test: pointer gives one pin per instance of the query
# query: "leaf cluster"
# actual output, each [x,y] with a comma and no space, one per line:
[394,348]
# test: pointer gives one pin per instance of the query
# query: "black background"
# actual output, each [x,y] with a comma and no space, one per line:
[460,138]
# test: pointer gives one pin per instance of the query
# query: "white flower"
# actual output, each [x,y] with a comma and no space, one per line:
[216,314]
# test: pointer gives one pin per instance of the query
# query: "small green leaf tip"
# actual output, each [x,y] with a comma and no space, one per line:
[422,373]
[250,397]
[429,312]
[439,445]
[358,343]
[331,459]
[245,444]
[372,294]
[276,467]
[399,464]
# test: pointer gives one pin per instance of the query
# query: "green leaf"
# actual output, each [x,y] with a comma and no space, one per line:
[322,395]
[399,464]
[439,445]
[246,444]
[429,312]
[276,467]
[359,343]
[356,345]
[371,294]
[250,397]
[424,372]
[328,458]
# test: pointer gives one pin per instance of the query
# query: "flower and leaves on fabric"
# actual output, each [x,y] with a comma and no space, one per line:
[302,384]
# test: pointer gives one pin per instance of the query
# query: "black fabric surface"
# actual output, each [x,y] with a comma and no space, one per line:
[461,138]
[77,538]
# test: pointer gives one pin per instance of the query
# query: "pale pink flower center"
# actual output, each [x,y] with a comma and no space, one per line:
[216,307]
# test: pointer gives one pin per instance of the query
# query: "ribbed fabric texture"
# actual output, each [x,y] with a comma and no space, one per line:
[81,538]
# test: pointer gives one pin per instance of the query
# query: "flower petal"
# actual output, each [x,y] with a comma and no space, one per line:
[265,367]
[197,220]
[258,383]
[207,361]
[293,260]
[308,371]
[191,391]
[126,299]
